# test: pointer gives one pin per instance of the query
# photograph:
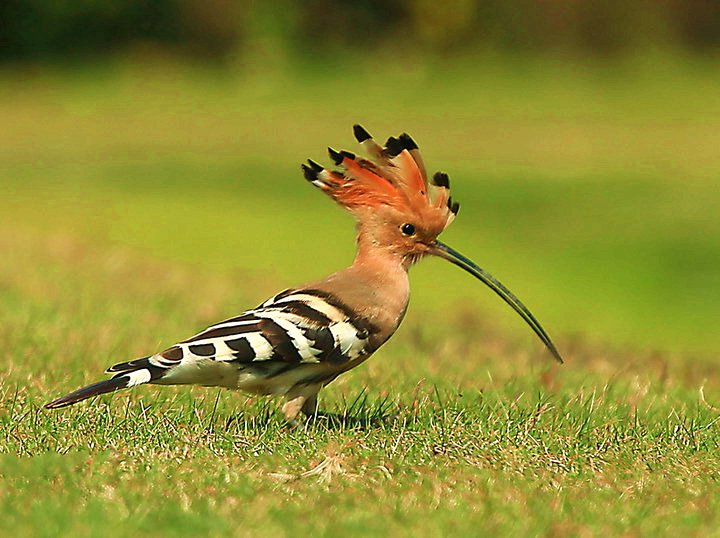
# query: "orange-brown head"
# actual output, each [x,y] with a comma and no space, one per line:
[389,194]
[399,212]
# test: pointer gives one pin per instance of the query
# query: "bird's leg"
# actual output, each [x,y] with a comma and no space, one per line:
[336,420]
[309,408]
[306,401]
[300,399]
[292,407]
[311,411]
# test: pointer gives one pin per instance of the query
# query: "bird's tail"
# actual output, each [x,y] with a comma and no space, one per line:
[128,374]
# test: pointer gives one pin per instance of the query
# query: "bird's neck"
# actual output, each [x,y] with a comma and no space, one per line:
[371,256]
[375,286]
[382,279]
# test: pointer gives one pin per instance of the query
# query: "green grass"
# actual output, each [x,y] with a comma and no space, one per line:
[140,206]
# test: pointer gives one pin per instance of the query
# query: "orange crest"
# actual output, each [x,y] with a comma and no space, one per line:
[394,176]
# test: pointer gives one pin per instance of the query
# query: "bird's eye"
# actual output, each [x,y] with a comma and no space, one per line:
[407,229]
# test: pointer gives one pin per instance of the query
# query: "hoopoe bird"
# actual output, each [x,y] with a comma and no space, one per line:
[298,341]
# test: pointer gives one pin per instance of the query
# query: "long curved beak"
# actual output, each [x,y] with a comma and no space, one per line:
[443,251]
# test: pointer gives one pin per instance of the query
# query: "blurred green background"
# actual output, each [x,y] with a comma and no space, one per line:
[581,139]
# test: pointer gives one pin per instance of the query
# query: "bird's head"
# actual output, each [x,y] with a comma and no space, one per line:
[400,211]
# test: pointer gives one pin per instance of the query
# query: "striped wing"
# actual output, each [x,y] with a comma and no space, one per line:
[294,327]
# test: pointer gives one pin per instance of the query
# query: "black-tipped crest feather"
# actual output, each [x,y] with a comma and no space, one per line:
[315,166]
[309,173]
[393,147]
[407,142]
[441,179]
[336,156]
[361,135]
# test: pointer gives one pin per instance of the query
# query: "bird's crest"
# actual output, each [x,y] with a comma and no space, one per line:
[393,176]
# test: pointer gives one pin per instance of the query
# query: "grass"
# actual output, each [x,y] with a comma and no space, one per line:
[139,207]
